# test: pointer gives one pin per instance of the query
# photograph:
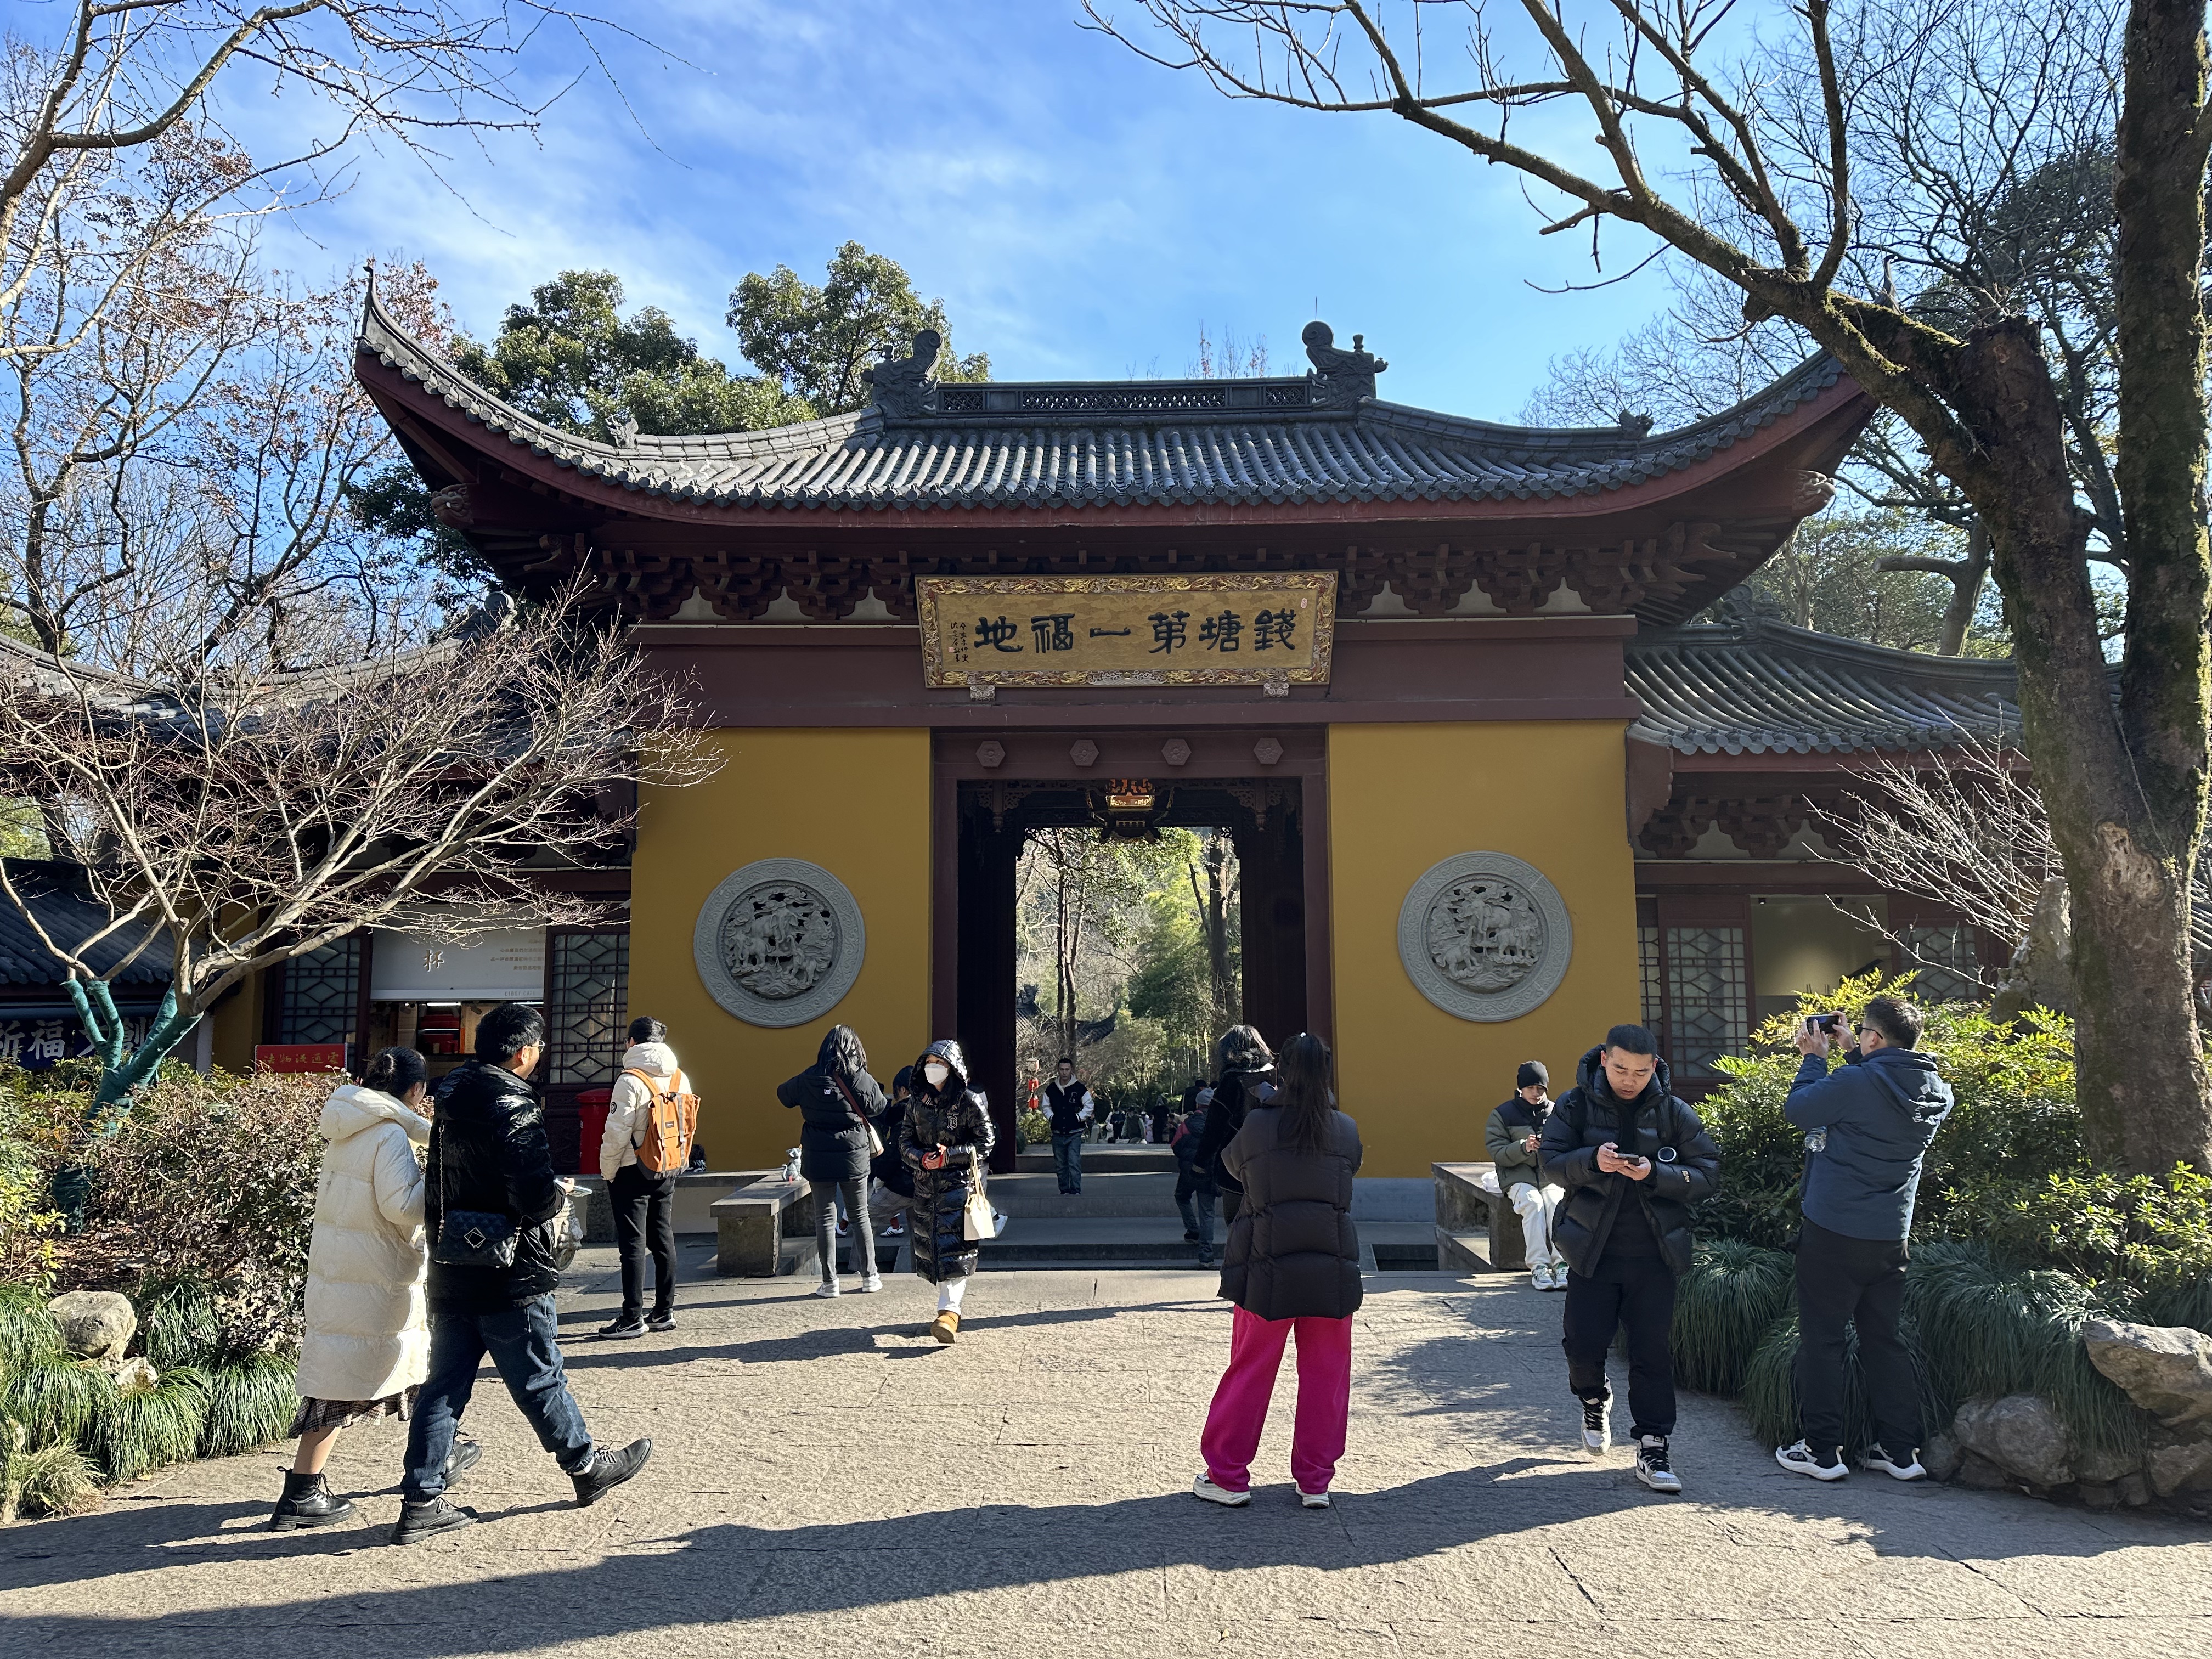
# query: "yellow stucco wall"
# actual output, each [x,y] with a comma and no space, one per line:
[1419,1080]
[854,802]
[237,1026]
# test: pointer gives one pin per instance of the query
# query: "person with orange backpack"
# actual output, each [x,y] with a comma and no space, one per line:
[651,1118]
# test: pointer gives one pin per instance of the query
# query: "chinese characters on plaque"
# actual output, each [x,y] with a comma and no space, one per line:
[1128,630]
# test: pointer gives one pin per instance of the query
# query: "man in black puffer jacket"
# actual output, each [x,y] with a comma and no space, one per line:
[489,1155]
[1632,1159]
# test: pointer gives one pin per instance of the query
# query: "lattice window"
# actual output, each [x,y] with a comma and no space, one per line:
[1705,997]
[1647,960]
[321,998]
[588,1007]
[1948,961]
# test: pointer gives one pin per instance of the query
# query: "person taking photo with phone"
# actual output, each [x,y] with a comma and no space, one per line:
[1868,1127]
[1632,1159]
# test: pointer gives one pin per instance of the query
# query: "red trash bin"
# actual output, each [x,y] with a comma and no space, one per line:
[592,1125]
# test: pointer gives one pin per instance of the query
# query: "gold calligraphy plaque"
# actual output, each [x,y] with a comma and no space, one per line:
[1252,630]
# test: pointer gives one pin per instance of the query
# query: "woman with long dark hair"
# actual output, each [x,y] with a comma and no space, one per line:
[1292,1268]
[838,1102]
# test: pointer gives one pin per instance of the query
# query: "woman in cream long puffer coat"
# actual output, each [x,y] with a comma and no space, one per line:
[367,1344]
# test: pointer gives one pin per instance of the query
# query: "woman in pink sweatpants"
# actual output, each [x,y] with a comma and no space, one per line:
[1292,1268]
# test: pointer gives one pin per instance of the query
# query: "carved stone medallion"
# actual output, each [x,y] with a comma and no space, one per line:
[1485,936]
[779,942]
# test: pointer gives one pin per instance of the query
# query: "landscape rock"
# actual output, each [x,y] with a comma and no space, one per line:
[1941,1456]
[136,1375]
[2099,1496]
[2179,1466]
[2096,1466]
[2134,1489]
[2022,1435]
[95,1324]
[1982,1475]
[2164,1369]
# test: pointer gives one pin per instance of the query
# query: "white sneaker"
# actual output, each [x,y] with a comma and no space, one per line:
[827,1287]
[1879,1461]
[1653,1467]
[1204,1487]
[1558,1277]
[1312,1500]
[872,1283]
[1539,1277]
[1802,1458]
[1597,1426]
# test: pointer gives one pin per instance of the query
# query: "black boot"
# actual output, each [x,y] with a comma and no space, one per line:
[419,1520]
[608,1469]
[308,1501]
[461,1459]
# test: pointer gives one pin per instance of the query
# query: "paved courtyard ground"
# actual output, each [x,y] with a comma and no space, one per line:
[828,1481]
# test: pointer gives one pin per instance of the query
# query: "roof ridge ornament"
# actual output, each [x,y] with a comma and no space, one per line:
[901,386]
[1340,379]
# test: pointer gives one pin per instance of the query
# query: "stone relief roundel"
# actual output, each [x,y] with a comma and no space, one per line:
[1485,936]
[780,942]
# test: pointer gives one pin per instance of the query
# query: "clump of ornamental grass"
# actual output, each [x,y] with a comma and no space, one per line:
[54,1479]
[1732,1295]
[248,1404]
[179,1322]
[56,1400]
[146,1428]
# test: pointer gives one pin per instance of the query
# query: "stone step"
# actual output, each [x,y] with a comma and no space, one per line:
[1103,1159]
[1104,1193]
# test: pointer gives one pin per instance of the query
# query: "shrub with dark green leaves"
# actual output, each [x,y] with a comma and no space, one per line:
[56,1399]
[180,1323]
[146,1428]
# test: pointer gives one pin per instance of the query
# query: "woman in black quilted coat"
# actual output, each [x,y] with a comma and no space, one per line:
[945,1140]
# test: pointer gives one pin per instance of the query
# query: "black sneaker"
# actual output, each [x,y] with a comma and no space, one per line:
[419,1521]
[623,1327]
[1190,1239]
[1597,1424]
[663,1320]
[461,1459]
[608,1469]
[1651,1467]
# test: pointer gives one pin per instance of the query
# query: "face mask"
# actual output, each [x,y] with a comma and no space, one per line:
[936,1072]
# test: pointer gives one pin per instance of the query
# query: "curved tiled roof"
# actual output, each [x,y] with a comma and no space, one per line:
[1122,444]
[1761,687]
[54,892]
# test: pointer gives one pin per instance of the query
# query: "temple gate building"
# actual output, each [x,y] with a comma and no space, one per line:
[1491,788]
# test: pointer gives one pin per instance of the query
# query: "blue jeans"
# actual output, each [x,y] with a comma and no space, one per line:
[1068,1160]
[1197,1206]
[524,1344]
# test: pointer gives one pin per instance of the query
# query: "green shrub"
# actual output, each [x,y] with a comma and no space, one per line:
[56,1399]
[53,1479]
[1727,1300]
[249,1404]
[179,1323]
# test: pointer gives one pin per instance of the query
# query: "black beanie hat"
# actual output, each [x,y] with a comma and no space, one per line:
[1532,1075]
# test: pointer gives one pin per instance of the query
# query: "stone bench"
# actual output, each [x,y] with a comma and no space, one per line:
[694,1198]
[1476,1229]
[752,1225]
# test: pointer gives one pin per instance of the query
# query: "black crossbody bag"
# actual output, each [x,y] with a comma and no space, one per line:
[471,1238]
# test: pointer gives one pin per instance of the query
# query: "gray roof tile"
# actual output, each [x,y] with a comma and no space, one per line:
[1129,443]
[1756,686]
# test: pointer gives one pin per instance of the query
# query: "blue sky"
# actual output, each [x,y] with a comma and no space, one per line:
[1079,211]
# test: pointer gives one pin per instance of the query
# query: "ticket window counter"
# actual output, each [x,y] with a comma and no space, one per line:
[444,1033]
[429,992]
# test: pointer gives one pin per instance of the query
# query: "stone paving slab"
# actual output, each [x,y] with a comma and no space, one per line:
[825,1474]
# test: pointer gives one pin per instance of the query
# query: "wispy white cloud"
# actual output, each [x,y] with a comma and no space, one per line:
[1080,211]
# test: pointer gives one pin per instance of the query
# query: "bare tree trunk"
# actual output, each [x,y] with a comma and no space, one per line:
[2123,826]
[1965,576]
